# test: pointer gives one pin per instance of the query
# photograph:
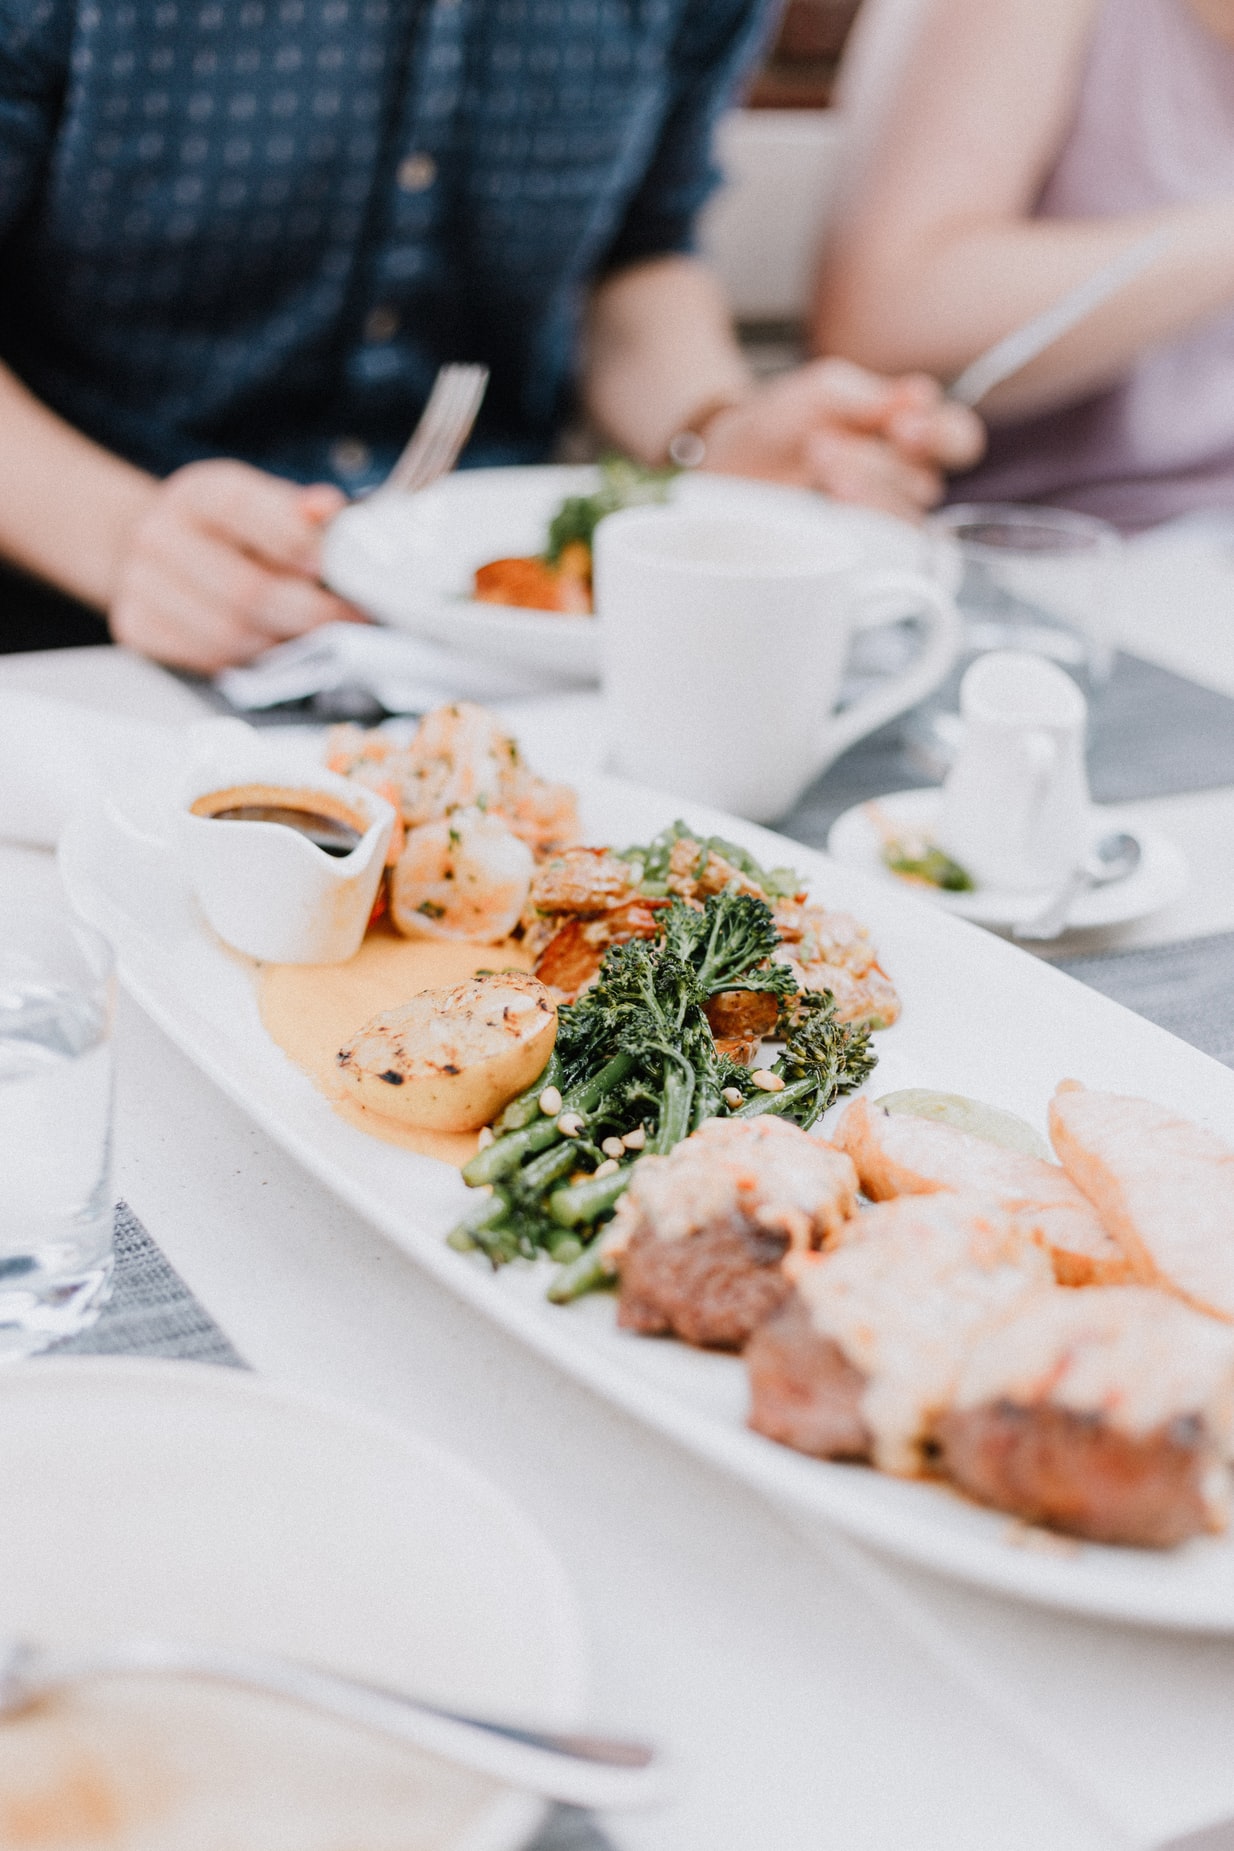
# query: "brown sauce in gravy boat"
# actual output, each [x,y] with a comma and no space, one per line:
[328,823]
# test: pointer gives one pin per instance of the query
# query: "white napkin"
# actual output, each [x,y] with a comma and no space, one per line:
[56,756]
[405,673]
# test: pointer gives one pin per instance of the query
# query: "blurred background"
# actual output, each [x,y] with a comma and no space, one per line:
[779,152]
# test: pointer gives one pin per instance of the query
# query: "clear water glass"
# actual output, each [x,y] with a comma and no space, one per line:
[1037,579]
[56,1204]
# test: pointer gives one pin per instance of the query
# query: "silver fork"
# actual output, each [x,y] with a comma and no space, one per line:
[444,427]
[582,1770]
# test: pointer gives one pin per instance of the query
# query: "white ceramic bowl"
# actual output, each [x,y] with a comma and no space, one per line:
[182,1502]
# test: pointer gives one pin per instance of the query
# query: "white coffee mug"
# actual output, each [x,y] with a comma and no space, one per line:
[1015,809]
[723,644]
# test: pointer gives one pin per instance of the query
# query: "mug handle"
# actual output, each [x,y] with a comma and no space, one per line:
[894,594]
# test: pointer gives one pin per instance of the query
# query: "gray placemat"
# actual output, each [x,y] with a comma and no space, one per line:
[1151,734]
[151,1312]
[1187,988]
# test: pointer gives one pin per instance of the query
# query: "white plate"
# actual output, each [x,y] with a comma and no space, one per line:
[411,560]
[1160,877]
[980,1017]
[174,1500]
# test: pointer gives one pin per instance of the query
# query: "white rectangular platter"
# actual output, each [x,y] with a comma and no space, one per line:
[980,1017]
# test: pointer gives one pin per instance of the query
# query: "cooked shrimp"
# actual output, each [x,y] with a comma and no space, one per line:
[578,884]
[544,815]
[455,760]
[459,758]
[695,871]
[588,881]
[823,937]
[465,876]
[871,998]
[572,957]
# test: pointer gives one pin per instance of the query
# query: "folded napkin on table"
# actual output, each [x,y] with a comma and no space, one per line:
[404,673]
[56,756]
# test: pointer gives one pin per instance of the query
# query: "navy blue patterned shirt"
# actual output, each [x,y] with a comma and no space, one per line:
[257,227]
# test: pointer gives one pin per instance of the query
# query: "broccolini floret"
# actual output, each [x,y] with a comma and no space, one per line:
[636,1055]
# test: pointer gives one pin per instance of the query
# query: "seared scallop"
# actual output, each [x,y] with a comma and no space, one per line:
[448,1060]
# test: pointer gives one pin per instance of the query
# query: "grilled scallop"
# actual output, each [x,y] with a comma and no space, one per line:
[448,1060]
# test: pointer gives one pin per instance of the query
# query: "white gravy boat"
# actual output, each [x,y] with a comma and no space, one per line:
[266,888]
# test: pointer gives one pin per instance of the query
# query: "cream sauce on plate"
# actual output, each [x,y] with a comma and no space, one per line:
[313,1010]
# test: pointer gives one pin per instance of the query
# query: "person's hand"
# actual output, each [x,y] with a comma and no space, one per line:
[224,562]
[832,426]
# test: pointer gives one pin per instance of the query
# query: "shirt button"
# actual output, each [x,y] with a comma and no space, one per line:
[349,456]
[381,324]
[416,173]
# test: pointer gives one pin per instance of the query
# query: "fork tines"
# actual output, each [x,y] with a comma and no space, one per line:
[444,428]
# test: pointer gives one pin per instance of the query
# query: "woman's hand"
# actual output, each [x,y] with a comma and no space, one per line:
[223,562]
[885,443]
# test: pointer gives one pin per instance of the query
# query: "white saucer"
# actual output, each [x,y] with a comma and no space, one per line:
[1160,877]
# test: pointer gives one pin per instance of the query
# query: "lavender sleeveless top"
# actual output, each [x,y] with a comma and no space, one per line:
[1154,125]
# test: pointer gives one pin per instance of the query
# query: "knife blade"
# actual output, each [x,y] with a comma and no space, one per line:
[1015,350]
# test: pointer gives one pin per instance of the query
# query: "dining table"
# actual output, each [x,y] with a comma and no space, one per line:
[809,1692]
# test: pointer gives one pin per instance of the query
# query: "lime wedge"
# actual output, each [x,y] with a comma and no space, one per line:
[972,1115]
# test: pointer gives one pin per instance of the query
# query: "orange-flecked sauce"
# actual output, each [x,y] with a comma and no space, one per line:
[313,1010]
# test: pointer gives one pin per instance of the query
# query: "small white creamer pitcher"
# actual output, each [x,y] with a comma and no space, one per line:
[1015,809]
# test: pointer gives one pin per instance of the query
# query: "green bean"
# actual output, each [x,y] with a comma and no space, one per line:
[675,1118]
[482,1219]
[507,1153]
[777,1102]
[525,1109]
[586,1202]
[543,1171]
[590,1272]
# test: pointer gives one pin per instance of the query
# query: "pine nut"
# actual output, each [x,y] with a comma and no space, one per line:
[766,1081]
[550,1102]
[636,1139]
[613,1147]
[570,1124]
[486,1137]
[607,1168]
[733,1096]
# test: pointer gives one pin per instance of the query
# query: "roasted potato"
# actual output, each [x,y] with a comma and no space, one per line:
[448,1060]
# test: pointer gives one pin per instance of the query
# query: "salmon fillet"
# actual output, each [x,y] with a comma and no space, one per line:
[896,1154]
[1104,1413]
[700,1234]
[899,1300]
[1163,1186]
[804,1392]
